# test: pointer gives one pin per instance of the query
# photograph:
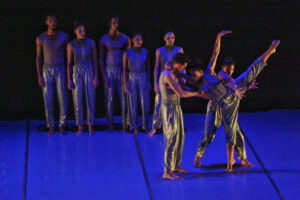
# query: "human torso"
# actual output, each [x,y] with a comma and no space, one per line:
[167,54]
[53,49]
[137,60]
[82,51]
[167,94]
[114,49]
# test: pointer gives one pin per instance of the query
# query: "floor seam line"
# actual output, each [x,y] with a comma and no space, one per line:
[26,160]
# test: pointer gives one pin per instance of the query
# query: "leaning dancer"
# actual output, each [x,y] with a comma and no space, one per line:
[82,53]
[136,61]
[162,55]
[213,117]
[111,49]
[173,127]
[227,100]
[50,65]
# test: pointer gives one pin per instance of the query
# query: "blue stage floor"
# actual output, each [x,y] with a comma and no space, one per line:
[34,166]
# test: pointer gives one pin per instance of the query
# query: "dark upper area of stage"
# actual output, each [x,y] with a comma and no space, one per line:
[196,23]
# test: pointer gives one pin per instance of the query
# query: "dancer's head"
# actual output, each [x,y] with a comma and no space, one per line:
[169,37]
[228,66]
[137,39]
[79,30]
[114,23]
[180,62]
[196,69]
[51,22]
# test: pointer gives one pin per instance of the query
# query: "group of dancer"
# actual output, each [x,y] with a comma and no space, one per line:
[125,69]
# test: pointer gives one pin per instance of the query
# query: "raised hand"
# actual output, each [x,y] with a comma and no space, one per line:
[224,32]
[274,45]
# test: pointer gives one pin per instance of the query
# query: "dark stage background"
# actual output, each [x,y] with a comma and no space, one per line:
[254,24]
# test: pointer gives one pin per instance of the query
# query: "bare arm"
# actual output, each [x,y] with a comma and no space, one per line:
[156,71]
[125,66]
[128,46]
[101,63]
[39,63]
[177,89]
[148,68]
[95,65]
[69,67]
[212,64]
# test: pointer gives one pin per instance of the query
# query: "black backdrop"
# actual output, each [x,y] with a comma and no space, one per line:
[254,24]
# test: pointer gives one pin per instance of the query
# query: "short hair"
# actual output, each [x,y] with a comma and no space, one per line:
[112,17]
[168,30]
[227,62]
[180,58]
[77,24]
[196,64]
[50,15]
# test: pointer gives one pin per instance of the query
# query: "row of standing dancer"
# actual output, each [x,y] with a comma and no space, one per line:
[126,71]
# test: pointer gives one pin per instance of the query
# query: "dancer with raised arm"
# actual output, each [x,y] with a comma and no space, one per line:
[51,71]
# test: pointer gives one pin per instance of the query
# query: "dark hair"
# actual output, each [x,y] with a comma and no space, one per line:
[227,62]
[135,33]
[50,15]
[196,64]
[77,24]
[168,30]
[180,58]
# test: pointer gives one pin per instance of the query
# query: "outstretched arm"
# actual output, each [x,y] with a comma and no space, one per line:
[212,64]
[177,89]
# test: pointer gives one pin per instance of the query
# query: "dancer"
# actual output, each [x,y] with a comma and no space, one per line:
[136,61]
[173,127]
[83,55]
[50,65]
[162,55]
[112,47]
[213,118]
[227,100]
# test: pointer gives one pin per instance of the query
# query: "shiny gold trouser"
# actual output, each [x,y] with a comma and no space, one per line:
[157,119]
[55,76]
[173,129]
[83,88]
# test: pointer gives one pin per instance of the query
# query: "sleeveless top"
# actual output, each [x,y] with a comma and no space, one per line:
[53,50]
[214,88]
[82,51]
[167,54]
[115,49]
[137,61]
[167,94]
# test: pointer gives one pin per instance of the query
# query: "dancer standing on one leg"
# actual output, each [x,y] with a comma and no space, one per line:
[50,65]
[111,49]
[136,61]
[162,55]
[173,127]
[83,54]
[213,118]
[227,100]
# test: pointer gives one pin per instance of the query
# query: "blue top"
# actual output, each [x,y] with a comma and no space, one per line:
[82,51]
[167,54]
[137,60]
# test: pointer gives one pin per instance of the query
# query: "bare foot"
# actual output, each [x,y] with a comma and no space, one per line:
[62,130]
[197,162]
[151,133]
[50,131]
[170,176]
[136,132]
[91,130]
[230,166]
[79,131]
[246,163]
[179,170]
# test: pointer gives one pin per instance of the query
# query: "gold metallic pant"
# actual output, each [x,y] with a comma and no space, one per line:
[114,77]
[83,81]
[139,89]
[213,121]
[55,76]
[173,129]
[157,119]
